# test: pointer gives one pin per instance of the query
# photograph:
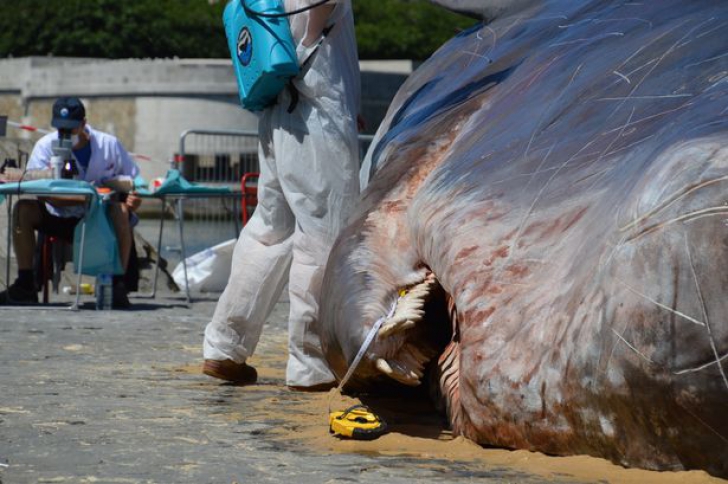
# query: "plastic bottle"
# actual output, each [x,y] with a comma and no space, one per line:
[103,292]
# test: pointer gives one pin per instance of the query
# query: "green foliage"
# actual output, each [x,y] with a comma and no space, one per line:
[386,29]
[112,28]
[403,29]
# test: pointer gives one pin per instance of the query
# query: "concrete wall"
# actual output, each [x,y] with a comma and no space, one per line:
[149,103]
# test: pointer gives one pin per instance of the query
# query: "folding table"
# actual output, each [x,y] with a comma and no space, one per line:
[48,188]
[177,189]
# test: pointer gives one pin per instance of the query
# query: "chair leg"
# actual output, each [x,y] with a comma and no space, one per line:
[59,259]
[46,265]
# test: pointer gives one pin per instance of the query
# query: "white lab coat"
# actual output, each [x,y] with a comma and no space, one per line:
[108,160]
[308,185]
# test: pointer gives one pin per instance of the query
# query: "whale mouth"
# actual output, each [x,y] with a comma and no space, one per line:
[418,331]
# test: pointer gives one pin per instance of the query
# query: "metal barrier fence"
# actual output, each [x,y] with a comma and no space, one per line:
[217,157]
[224,156]
[212,157]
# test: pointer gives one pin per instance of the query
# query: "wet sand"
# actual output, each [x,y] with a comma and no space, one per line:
[418,432]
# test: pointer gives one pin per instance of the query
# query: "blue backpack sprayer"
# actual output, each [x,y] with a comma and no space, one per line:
[262,49]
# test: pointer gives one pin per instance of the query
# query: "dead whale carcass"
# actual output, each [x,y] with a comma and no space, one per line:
[552,189]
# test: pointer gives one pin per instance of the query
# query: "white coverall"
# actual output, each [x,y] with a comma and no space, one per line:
[309,163]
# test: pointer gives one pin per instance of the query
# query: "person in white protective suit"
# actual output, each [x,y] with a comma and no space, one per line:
[309,163]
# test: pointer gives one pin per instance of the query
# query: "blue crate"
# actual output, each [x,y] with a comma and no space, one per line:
[262,50]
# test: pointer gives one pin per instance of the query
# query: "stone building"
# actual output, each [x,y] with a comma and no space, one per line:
[148,103]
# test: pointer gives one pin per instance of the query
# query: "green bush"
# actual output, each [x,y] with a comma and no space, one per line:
[111,28]
[403,29]
[386,29]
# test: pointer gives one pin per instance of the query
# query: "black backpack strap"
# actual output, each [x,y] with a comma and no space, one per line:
[250,11]
[294,96]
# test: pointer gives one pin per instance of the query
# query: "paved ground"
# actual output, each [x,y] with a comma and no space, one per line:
[117,397]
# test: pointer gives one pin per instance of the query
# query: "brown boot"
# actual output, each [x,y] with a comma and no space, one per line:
[228,370]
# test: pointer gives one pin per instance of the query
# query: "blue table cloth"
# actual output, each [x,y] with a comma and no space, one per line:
[101,250]
[48,187]
[176,184]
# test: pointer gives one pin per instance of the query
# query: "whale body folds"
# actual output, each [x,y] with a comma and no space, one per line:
[549,191]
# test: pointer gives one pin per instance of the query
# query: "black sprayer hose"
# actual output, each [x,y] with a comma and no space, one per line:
[249,11]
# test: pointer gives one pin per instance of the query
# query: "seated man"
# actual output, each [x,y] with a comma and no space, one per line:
[101,160]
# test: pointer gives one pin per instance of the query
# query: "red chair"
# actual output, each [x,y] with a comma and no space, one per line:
[249,199]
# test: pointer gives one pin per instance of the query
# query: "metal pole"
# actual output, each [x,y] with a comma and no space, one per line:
[175,161]
[236,214]
[159,247]
[80,265]
[181,223]
[7,245]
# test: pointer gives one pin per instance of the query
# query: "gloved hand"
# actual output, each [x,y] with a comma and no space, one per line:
[303,52]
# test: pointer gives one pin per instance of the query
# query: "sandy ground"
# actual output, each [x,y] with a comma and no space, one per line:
[421,434]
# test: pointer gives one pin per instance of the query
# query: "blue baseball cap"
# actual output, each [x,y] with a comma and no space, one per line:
[68,113]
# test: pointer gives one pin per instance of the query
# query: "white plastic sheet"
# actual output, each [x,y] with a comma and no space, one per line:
[208,270]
